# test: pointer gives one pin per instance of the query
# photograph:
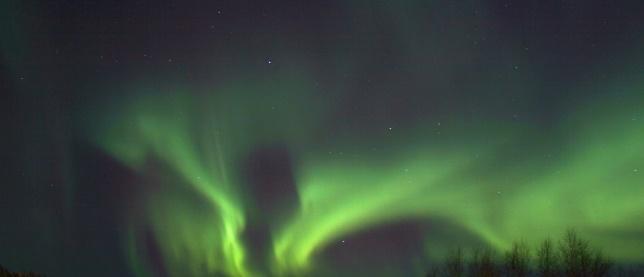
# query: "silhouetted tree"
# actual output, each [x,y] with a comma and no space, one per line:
[547,265]
[483,263]
[6,273]
[600,266]
[517,260]
[454,264]
[575,254]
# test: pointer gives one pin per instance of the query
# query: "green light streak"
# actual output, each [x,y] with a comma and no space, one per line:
[160,129]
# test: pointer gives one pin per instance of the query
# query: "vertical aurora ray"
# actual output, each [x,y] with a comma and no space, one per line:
[161,130]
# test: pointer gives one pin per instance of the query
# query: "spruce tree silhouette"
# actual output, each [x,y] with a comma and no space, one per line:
[482,263]
[547,260]
[517,260]
[454,264]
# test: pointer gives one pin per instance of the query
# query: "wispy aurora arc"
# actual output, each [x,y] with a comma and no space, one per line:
[596,188]
[594,184]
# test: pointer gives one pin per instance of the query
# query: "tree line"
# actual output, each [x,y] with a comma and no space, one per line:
[571,256]
[6,273]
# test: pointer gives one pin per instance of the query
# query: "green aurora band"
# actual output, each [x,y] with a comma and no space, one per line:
[500,187]
[496,179]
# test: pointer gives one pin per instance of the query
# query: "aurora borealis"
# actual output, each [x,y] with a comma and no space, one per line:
[335,138]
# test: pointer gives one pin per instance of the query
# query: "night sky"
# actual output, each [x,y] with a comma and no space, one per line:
[314,138]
